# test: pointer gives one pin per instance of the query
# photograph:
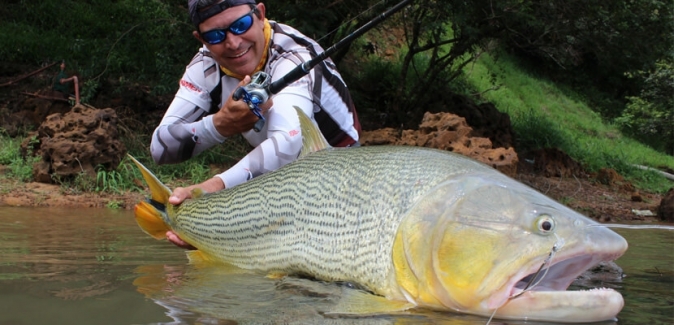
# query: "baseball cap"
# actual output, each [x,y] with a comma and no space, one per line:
[199,16]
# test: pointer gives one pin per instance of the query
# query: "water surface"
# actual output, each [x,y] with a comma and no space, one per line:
[95,266]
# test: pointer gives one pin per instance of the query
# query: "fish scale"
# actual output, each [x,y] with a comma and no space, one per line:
[310,225]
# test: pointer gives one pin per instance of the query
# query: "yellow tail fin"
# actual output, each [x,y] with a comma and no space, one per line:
[160,193]
[148,216]
[149,219]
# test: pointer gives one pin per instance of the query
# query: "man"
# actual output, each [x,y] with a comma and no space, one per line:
[238,41]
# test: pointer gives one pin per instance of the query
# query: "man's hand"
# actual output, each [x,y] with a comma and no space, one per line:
[180,194]
[235,117]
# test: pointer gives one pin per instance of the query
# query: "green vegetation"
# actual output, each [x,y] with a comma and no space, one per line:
[120,42]
[189,172]
[545,114]
[650,116]
[581,75]
[127,177]
[10,154]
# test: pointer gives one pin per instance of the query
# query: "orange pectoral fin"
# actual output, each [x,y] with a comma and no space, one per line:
[149,219]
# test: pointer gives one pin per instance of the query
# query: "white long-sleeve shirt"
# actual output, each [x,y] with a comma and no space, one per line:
[187,128]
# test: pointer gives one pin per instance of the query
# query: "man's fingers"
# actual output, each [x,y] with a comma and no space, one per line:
[175,240]
[244,81]
[179,195]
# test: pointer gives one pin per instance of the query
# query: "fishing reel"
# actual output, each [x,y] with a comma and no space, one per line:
[254,94]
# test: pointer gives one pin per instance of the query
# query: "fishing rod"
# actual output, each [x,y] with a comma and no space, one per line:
[261,88]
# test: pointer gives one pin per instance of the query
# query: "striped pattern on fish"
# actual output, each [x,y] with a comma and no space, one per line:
[299,219]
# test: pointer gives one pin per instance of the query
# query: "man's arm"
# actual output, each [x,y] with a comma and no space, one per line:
[184,132]
[187,130]
[281,146]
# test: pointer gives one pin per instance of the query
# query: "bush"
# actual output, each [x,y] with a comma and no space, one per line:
[139,40]
[650,116]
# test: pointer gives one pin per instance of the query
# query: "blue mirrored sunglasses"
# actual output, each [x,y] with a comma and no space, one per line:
[238,27]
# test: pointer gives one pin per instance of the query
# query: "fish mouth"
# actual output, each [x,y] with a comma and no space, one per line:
[556,277]
[540,292]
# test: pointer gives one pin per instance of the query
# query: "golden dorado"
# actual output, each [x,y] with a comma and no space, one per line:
[414,227]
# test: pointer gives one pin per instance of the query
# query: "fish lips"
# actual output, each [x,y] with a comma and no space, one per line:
[543,295]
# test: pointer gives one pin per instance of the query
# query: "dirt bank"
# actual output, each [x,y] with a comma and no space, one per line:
[612,201]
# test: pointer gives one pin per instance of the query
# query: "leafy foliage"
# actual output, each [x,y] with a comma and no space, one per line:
[139,40]
[650,116]
[326,21]
[593,44]
[10,155]
[126,42]
[440,37]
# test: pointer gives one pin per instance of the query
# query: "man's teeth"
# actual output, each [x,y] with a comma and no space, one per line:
[242,53]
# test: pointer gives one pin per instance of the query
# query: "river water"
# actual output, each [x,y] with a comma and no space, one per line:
[95,266]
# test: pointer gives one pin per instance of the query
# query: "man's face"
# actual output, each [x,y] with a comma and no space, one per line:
[238,53]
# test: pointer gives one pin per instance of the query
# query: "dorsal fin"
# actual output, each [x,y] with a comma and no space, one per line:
[312,138]
[159,192]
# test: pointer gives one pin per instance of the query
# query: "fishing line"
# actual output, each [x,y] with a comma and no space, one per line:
[618,225]
[555,248]
[349,21]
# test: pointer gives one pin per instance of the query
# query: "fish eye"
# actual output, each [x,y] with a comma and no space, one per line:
[545,224]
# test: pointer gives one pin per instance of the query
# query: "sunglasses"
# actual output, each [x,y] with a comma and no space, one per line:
[238,27]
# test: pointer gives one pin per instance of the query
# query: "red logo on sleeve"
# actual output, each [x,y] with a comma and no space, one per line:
[195,137]
[293,133]
[189,85]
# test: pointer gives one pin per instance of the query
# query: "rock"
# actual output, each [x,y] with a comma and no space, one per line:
[666,208]
[608,176]
[636,197]
[76,142]
[380,137]
[450,132]
[485,120]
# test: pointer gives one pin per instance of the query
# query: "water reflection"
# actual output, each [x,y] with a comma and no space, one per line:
[211,295]
[648,286]
[61,266]
[95,266]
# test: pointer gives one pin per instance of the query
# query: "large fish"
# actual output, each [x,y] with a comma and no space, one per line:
[414,227]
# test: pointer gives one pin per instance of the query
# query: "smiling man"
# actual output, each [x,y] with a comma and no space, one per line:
[238,41]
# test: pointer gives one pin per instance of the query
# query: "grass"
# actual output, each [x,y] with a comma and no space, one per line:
[127,176]
[545,114]
[10,155]
[195,170]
